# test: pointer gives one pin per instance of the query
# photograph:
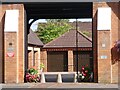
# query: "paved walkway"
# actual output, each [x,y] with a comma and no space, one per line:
[75,85]
[60,85]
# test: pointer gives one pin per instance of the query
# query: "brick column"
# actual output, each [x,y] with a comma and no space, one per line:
[101,66]
[1,45]
[30,57]
[103,42]
[17,64]
[37,58]
[43,59]
[119,39]
[70,61]
[21,46]
[114,37]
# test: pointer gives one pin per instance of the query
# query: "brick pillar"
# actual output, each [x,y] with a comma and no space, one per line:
[119,39]
[103,42]
[119,21]
[19,46]
[37,58]
[29,58]
[70,61]
[43,59]
[114,37]
[101,37]
[1,45]
[10,44]
[94,28]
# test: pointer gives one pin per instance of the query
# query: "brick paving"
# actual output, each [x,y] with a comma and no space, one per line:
[75,85]
[60,85]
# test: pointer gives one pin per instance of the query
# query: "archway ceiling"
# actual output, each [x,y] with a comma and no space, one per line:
[57,10]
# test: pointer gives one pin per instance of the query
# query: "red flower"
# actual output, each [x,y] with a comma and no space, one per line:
[87,65]
[83,68]
[86,71]
[84,74]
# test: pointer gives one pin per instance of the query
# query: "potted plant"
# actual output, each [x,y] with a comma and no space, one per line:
[85,74]
[32,75]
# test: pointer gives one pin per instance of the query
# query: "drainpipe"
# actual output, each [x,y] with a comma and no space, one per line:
[77,48]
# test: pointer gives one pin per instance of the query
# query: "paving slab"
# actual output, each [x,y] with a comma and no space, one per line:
[60,85]
[75,85]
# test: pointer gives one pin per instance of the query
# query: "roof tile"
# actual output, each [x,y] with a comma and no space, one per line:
[33,39]
[69,40]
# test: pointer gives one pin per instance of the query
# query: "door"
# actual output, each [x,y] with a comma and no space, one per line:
[57,61]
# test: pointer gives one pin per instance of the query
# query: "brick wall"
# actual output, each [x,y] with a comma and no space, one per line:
[33,54]
[94,38]
[104,65]
[1,45]
[43,59]
[19,77]
[10,43]
[70,61]
[30,59]
[106,71]
[37,57]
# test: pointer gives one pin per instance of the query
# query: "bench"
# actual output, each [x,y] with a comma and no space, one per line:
[59,76]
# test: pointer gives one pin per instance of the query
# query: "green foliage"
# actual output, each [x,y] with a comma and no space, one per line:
[87,33]
[42,66]
[32,75]
[52,29]
[32,71]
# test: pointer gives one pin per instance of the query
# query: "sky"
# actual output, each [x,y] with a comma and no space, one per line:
[35,24]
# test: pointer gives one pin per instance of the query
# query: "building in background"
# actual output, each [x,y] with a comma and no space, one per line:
[33,60]
[61,52]
[34,48]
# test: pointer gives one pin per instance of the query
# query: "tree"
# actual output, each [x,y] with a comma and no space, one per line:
[52,29]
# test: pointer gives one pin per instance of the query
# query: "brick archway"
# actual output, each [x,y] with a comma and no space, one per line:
[98,69]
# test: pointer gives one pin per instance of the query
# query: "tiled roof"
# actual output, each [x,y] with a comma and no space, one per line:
[69,40]
[83,26]
[33,39]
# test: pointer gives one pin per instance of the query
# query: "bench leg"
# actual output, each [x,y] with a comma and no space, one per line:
[75,78]
[42,78]
[59,78]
